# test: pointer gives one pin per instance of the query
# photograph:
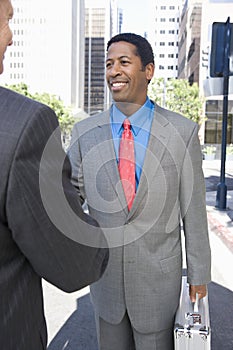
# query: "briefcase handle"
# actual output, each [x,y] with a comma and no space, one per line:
[196,304]
[195,316]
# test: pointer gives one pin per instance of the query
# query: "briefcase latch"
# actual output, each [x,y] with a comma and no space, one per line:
[195,317]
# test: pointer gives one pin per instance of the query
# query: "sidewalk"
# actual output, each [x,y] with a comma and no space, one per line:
[220,223]
[221,242]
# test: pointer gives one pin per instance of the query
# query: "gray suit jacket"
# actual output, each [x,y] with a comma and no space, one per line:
[32,244]
[145,265]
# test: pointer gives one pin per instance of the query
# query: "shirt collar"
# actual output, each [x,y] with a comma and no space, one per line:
[137,119]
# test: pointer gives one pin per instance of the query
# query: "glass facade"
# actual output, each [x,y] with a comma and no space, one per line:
[213,124]
[94,75]
[95,51]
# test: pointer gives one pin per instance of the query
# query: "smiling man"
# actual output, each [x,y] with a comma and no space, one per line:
[139,168]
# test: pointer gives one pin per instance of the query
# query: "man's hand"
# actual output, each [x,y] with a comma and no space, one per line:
[201,290]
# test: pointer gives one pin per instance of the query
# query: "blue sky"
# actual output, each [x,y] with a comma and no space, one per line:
[135,15]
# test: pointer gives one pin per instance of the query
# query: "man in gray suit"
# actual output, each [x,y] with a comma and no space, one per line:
[42,224]
[136,299]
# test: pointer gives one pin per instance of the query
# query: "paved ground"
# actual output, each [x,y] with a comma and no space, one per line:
[70,317]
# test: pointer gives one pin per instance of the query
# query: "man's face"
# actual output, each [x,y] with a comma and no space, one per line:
[6,13]
[126,78]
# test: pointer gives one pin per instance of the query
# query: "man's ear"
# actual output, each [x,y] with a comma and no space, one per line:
[150,68]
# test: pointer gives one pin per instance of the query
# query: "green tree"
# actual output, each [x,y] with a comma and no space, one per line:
[179,96]
[21,88]
[65,118]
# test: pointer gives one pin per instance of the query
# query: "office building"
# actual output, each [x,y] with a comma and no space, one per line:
[48,50]
[189,41]
[102,21]
[164,34]
[194,63]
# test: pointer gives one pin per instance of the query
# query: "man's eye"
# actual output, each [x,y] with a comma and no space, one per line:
[124,62]
[108,65]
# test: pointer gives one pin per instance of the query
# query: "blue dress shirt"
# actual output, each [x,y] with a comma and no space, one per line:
[140,125]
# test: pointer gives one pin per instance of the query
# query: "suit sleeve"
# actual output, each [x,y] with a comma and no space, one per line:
[76,162]
[53,238]
[193,211]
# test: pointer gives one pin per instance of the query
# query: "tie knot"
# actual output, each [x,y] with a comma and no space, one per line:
[126,124]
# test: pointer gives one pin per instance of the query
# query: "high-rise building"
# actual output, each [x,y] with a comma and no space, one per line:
[189,41]
[102,20]
[48,50]
[163,36]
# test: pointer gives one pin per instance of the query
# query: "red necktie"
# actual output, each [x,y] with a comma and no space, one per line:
[127,163]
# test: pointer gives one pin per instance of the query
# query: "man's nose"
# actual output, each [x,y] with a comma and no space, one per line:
[115,70]
[11,38]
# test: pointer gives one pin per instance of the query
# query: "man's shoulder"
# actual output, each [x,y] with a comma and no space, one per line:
[21,111]
[12,95]
[15,99]
[92,121]
[176,119]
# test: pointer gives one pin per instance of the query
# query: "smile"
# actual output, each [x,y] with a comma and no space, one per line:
[118,85]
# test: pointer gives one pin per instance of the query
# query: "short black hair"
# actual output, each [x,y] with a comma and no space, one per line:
[143,47]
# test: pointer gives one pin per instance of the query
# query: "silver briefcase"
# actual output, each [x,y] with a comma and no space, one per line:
[192,322]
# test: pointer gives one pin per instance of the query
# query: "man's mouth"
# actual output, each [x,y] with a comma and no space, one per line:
[118,85]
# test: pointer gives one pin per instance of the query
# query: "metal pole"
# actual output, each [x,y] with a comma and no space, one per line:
[221,199]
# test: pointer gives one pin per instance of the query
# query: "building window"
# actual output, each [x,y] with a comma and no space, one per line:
[171,7]
[162,43]
[162,31]
[162,19]
[161,67]
[171,43]
[171,32]
[163,8]
[213,124]
[170,55]
[170,67]
[161,55]
[171,19]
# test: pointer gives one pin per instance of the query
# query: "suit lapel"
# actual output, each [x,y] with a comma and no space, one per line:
[159,137]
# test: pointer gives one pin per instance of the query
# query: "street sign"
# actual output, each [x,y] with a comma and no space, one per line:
[222,35]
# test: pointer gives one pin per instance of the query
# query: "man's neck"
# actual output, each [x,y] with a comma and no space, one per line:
[128,109]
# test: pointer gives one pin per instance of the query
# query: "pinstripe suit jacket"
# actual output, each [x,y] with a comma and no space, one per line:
[31,246]
[145,265]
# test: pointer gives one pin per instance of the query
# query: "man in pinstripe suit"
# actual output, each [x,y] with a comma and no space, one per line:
[35,239]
